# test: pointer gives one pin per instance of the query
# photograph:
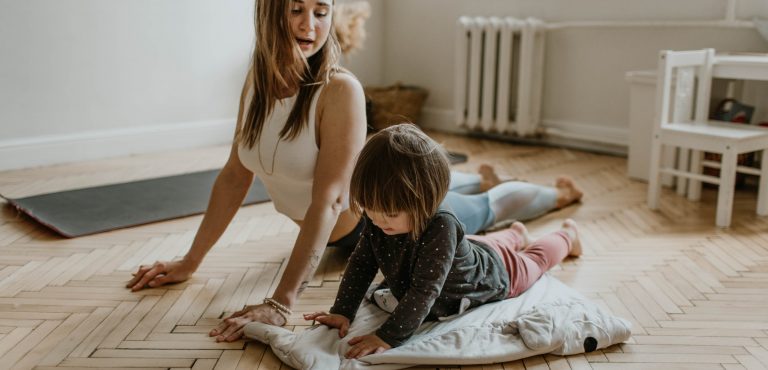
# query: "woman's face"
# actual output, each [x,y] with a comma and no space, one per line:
[310,23]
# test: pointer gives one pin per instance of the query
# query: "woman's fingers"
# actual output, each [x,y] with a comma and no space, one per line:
[138,275]
[236,335]
[232,331]
[225,324]
[218,329]
[160,280]
[149,275]
[231,328]
[160,273]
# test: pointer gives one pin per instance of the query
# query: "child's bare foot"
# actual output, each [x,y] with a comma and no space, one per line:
[567,192]
[570,228]
[522,231]
[488,177]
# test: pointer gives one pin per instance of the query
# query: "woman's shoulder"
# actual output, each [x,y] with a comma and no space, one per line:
[342,100]
[341,84]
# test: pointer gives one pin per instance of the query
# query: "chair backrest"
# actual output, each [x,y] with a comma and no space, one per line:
[692,71]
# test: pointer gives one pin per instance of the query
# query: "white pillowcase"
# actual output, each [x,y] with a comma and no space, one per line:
[548,318]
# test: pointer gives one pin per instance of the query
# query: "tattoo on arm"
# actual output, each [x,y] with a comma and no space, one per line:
[315,261]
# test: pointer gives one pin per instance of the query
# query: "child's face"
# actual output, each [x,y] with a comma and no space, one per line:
[391,224]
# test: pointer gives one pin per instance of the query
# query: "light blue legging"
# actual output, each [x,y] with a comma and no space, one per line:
[511,200]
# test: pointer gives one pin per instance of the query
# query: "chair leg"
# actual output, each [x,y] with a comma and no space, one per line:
[668,158]
[762,191]
[694,186]
[726,188]
[682,165]
[654,176]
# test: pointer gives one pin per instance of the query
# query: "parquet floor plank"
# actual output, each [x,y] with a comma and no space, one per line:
[695,294]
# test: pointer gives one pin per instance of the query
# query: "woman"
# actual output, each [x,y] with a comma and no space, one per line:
[301,125]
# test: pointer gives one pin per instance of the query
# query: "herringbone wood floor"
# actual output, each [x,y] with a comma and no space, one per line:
[695,294]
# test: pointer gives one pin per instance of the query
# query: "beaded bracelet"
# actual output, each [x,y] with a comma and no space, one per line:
[278,305]
[281,309]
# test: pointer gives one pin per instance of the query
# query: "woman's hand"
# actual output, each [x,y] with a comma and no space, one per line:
[365,345]
[160,273]
[231,328]
[332,320]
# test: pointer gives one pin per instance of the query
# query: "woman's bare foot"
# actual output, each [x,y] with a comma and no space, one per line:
[567,192]
[488,177]
[522,231]
[570,229]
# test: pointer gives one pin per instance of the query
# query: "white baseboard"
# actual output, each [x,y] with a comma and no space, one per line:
[587,132]
[56,149]
[440,120]
[563,133]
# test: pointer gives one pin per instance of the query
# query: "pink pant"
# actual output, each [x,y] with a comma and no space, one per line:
[526,266]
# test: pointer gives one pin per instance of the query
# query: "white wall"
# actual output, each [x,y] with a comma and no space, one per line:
[367,63]
[79,65]
[584,73]
[585,67]
[84,79]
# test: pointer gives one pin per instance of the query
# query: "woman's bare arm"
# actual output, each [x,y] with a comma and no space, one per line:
[341,130]
[342,135]
[227,195]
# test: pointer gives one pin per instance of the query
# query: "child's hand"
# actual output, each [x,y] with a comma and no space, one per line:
[365,345]
[332,320]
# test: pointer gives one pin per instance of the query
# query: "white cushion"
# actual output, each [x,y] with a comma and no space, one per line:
[548,318]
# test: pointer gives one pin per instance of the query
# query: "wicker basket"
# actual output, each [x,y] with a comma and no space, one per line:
[395,104]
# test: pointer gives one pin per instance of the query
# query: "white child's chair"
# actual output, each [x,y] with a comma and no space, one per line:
[682,122]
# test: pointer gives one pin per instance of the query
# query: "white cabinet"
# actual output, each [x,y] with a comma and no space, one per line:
[642,93]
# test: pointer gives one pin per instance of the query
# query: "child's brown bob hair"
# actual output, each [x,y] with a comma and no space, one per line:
[401,169]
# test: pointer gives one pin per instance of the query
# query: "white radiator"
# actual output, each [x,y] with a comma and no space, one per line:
[499,65]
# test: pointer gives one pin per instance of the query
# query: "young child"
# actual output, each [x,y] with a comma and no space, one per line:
[398,184]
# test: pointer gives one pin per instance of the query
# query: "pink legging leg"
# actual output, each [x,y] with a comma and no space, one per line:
[526,266]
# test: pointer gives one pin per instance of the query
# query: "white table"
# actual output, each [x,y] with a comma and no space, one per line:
[741,67]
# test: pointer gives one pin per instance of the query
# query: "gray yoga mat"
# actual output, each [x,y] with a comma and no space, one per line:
[93,210]
[457,158]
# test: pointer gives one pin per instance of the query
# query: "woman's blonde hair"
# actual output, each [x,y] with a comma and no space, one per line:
[401,169]
[279,63]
